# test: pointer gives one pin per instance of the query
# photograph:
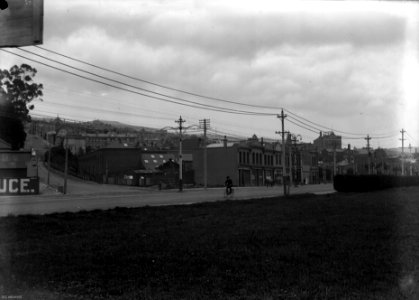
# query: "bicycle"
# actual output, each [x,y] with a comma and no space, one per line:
[228,193]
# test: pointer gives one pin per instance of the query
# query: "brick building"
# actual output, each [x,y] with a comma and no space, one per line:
[328,141]
[254,163]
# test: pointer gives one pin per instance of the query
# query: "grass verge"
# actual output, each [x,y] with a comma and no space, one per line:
[351,246]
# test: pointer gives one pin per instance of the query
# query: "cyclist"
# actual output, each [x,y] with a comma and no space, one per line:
[229,185]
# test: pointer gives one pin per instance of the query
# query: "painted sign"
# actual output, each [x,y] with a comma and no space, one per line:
[19,186]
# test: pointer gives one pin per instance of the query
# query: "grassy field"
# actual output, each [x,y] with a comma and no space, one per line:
[342,246]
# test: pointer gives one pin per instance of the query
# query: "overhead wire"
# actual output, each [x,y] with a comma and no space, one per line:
[413,139]
[195,94]
[156,84]
[152,113]
[108,111]
[200,105]
[206,106]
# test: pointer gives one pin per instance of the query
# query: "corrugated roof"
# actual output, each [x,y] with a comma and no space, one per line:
[220,145]
[152,160]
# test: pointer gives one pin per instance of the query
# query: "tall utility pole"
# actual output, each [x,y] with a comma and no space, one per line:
[284,183]
[294,161]
[205,123]
[49,159]
[65,166]
[368,138]
[402,139]
[180,121]
[291,162]
[411,167]
[334,161]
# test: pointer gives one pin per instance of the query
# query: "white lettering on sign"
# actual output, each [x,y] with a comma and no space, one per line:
[19,186]
[24,185]
[13,189]
[3,185]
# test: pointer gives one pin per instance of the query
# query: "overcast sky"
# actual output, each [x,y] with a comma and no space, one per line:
[350,66]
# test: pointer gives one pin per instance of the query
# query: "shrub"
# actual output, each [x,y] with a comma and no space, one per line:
[367,183]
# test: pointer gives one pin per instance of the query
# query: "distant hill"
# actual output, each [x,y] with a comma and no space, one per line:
[121,125]
[109,126]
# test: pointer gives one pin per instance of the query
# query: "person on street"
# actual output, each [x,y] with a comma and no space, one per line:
[229,185]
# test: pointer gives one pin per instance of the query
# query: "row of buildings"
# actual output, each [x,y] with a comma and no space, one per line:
[138,158]
[251,162]
[82,138]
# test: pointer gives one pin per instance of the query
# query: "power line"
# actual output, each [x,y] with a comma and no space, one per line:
[301,126]
[139,88]
[309,127]
[319,125]
[156,84]
[413,139]
[109,111]
[73,104]
[111,101]
[199,105]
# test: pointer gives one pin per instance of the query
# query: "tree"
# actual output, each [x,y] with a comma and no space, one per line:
[17,91]
[11,128]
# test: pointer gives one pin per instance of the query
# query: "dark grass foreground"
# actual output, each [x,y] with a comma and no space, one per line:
[351,246]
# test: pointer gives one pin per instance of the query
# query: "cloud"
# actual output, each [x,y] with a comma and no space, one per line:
[331,66]
[223,33]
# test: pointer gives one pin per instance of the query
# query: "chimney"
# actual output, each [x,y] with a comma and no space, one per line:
[349,146]
[321,134]
[225,141]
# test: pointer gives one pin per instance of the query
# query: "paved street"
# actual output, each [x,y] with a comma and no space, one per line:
[84,195]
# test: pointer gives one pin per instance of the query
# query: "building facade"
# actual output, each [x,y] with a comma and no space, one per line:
[328,141]
[255,163]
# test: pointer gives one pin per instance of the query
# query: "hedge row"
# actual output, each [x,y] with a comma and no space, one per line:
[366,183]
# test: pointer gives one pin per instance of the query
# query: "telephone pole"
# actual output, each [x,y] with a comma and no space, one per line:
[180,121]
[205,123]
[66,165]
[368,138]
[282,116]
[49,158]
[410,165]
[294,139]
[291,169]
[402,139]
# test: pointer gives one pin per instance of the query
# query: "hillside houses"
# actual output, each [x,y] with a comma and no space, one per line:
[127,158]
